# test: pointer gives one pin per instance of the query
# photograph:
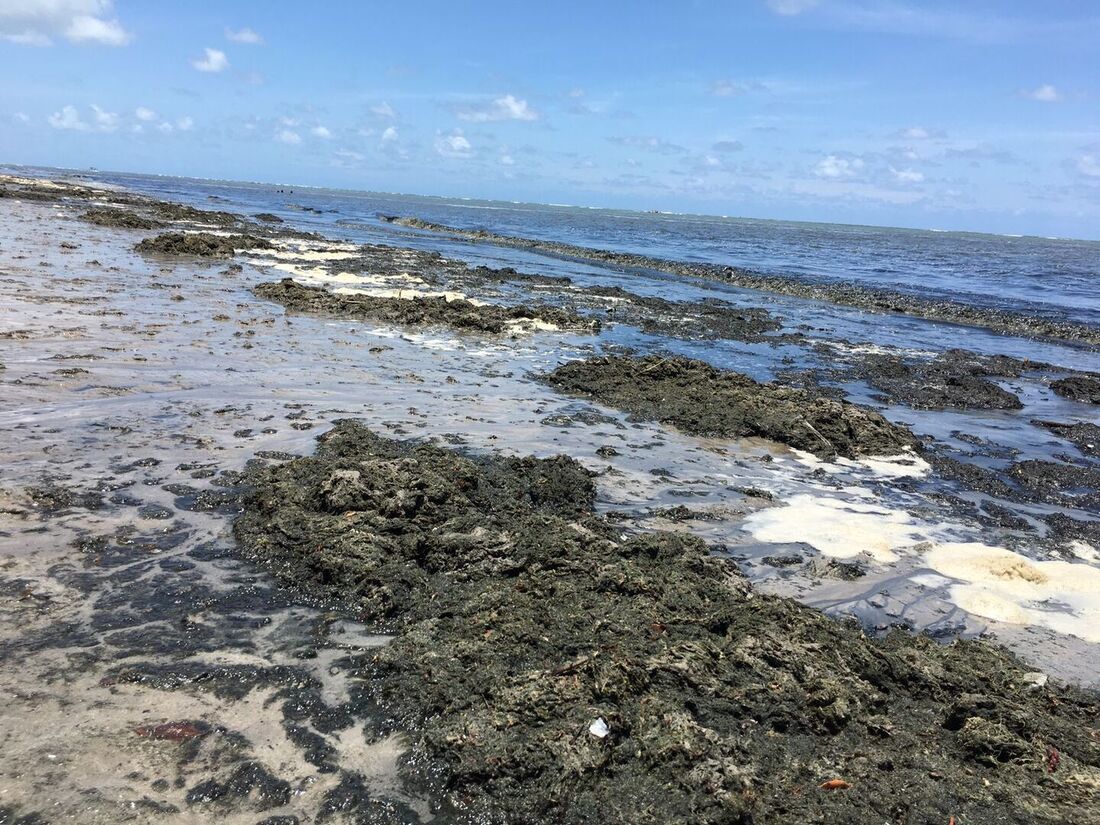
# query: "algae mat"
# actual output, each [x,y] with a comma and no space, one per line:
[550,669]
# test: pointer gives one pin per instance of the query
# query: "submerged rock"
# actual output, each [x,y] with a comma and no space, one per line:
[202,244]
[421,310]
[548,668]
[703,400]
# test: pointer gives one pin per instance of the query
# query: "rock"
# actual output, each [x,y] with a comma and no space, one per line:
[703,400]
[201,244]
[421,310]
[1083,388]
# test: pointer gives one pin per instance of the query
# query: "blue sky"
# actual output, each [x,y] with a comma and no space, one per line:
[977,115]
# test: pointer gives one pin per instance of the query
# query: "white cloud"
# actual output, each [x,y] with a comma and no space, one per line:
[1089,165]
[1045,93]
[836,168]
[166,127]
[321,132]
[245,35]
[67,118]
[907,175]
[37,22]
[507,107]
[453,145]
[727,88]
[88,29]
[142,113]
[650,144]
[383,109]
[185,124]
[22,117]
[288,137]
[29,38]
[791,8]
[389,136]
[213,60]
[507,160]
[346,157]
[104,121]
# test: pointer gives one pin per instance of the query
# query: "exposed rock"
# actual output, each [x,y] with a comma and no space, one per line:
[421,310]
[703,400]
[201,244]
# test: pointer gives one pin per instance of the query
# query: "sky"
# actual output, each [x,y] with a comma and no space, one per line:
[976,115]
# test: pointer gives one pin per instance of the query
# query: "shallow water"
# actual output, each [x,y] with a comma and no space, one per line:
[186,375]
[1043,276]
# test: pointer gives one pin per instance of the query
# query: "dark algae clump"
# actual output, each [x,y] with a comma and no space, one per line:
[703,400]
[201,244]
[1082,388]
[119,218]
[955,379]
[419,310]
[548,668]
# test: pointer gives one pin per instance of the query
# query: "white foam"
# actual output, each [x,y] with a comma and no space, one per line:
[835,527]
[903,465]
[1004,586]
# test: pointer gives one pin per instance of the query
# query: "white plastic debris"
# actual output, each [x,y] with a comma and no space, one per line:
[599,728]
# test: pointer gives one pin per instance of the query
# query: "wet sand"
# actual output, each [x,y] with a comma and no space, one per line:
[138,386]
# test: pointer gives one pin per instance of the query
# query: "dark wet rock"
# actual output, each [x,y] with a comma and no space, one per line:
[790,560]
[973,476]
[873,299]
[703,400]
[1004,517]
[1066,529]
[709,318]
[201,244]
[548,668]
[119,218]
[459,314]
[267,217]
[835,569]
[607,451]
[180,212]
[1085,436]
[1055,479]
[755,492]
[1083,388]
[956,379]
[51,497]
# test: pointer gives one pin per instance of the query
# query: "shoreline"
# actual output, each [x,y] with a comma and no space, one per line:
[168,327]
[872,299]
